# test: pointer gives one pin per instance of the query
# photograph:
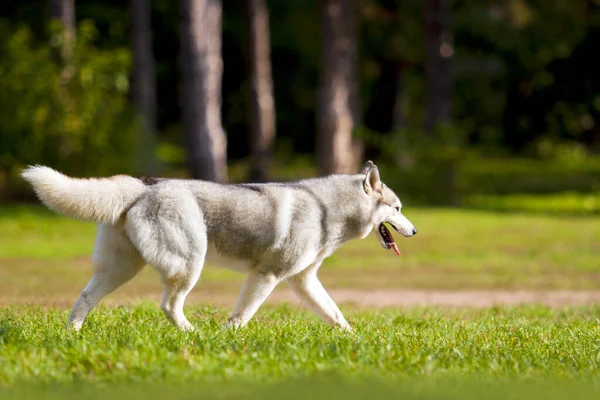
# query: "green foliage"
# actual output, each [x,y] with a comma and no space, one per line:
[522,71]
[518,175]
[422,168]
[75,118]
[439,170]
[137,344]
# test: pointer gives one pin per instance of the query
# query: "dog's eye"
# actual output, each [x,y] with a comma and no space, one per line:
[397,209]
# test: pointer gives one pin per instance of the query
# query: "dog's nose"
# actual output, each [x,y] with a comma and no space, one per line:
[414,231]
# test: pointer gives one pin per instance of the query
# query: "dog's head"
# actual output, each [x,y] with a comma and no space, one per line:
[386,209]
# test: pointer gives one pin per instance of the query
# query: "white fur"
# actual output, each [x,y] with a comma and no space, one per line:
[308,287]
[116,261]
[271,232]
[98,200]
[395,217]
[405,226]
[283,225]
[256,289]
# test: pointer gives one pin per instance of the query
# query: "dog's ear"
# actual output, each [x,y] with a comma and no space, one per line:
[368,165]
[372,182]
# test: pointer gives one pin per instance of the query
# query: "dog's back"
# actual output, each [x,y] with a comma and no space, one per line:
[275,231]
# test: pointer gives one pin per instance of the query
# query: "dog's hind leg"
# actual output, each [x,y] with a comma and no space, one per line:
[116,261]
[169,231]
[177,287]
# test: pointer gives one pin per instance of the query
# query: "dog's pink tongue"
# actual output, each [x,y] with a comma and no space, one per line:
[395,248]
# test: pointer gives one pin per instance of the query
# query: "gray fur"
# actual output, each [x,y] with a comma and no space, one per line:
[270,231]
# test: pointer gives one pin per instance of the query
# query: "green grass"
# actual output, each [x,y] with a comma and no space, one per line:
[322,387]
[455,249]
[128,345]
[418,353]
[132,343]
[34,232]
[570,203]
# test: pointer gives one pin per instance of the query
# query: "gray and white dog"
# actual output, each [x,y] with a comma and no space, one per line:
[271,232]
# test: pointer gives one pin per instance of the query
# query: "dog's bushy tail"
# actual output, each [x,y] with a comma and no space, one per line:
[101,200]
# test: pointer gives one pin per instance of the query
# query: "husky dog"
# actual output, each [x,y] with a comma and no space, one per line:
[271,232]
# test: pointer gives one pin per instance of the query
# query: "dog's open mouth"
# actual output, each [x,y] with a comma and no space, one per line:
[387,238]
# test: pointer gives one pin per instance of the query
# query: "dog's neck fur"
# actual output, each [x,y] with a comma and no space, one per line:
[349,206]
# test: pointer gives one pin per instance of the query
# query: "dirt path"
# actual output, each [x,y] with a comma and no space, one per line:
[475,298]
[478,299]
[361,298]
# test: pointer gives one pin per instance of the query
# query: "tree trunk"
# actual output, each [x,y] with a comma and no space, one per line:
[399,117]
[338,111]
[144,85]
[202,70]
[64,12]
[438,72]
[262,108]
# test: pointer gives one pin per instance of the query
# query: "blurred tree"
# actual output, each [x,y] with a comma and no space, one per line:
[338,111]
[262,105]
[522,77]
[388,38]
[438,74]
[144,85]
[202,70]
[64,12]
[84,127]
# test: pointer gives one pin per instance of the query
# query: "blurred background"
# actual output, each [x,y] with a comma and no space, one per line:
[484,104]
[484,116]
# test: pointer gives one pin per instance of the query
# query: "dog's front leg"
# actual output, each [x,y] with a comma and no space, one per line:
[308,287]
[256,289]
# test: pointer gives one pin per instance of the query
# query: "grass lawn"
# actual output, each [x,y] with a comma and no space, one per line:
[131,351]
[128,345]
[45,255]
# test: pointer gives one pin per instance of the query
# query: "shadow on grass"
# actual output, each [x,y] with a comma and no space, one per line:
[325,386]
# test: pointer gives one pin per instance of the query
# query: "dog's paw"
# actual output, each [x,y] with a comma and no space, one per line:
[74,326]
[343,326]
[187,327]
[233,323]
